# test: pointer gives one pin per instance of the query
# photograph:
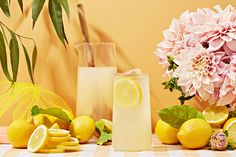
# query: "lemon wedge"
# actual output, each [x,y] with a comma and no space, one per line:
[127,92]
[38,138]
[230,126]
[216,115]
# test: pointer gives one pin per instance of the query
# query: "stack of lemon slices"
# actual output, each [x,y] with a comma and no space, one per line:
[53,140]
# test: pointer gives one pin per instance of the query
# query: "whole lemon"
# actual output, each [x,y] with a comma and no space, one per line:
[82,127]
[19,132]
[194,133]
[166,133]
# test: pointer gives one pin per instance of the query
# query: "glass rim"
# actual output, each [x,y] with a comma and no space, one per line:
[95,44]
[135,76]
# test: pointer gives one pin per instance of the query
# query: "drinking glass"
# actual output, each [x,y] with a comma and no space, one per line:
[131,113]
[97,65]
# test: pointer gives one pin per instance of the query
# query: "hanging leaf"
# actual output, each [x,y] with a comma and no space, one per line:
[28,63]
[36,9]
[14,55]
[4,34]
[34,58]
[5,7]
[55,12]
[3,57]
[65,5]
[20,2]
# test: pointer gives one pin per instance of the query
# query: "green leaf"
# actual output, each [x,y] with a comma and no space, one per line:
[3,57]
[56,112]
[14,55]
[175,116]
[28,63]
[34,58]
[4,34]
[65,5]
[55,12]
[36,9]
[20,2]
[105,134]
[5,7]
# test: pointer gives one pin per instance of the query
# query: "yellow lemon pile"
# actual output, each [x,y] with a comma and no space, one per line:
[44,140]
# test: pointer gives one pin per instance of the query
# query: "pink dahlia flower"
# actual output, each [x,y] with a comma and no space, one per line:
[198,71]
[228,89]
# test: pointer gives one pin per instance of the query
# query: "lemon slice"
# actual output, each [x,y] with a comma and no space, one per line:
[69,148]
[55,126]
[230,126]
[58,132]
[73,142]
[216,115]
[53,150]
[38,138]
[127,92]
[59,139]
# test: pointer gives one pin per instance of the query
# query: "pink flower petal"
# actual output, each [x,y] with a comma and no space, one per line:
[216,44]
[231,45]
[232,35]
[226,38]
[227,99]
[227,49]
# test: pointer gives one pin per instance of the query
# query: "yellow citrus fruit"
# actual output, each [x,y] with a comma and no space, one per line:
[69,148]
[69,113]
[19,132]
[82,127]
[127,92]
[230,126]
[42,119]
[58,132]
[166,133]
[38,139]
[59,139]
[216,115]
[55,126]
[51,150]
[73,142]
[194,133]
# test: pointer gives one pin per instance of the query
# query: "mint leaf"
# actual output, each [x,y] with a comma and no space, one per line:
[56,112]
[175,116]
[105,134]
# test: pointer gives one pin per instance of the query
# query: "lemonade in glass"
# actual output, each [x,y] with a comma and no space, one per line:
[131,113]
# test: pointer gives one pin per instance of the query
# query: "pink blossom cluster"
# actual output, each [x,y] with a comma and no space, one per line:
[203,46]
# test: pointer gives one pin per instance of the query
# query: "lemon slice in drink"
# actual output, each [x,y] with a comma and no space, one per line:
[230,126]
[38,138]
[216,115]
[127,92]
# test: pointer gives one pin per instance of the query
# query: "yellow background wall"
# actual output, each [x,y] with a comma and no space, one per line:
[134,25]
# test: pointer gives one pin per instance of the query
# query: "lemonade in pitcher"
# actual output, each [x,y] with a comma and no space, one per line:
[131,113]
[97,66]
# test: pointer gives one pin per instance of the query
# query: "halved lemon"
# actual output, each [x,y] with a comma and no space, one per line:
[58,132]
[38,138]
[216,115]
[73,142]
[230,126]
[127,92]
[53,150]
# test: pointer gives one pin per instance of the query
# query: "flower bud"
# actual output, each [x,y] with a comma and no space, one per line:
[218,141]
